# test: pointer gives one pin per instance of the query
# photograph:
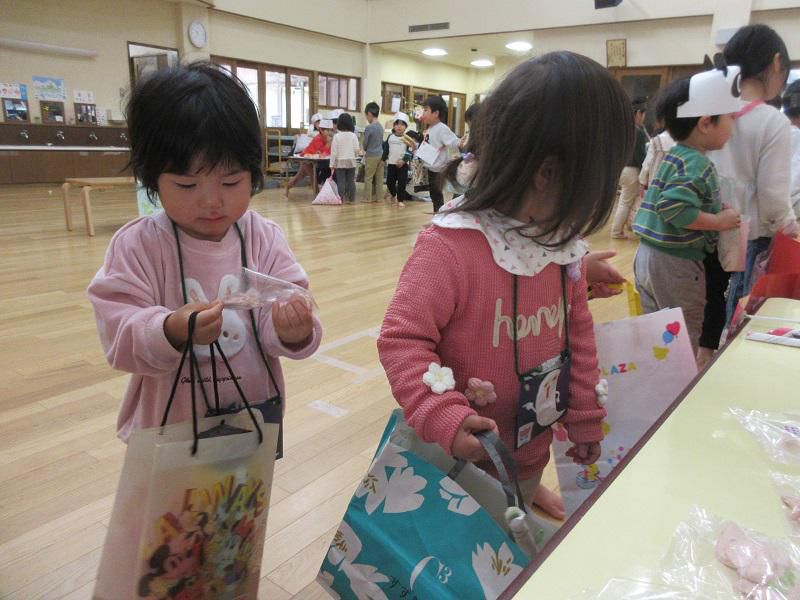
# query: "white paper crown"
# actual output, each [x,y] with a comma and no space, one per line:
[401,116]
[713,93]
[326,124]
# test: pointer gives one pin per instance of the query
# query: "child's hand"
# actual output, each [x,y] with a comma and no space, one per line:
[207,328]
[728,219]
[465,445]
[584,454]
[292,321]
[400,163]
[600,273]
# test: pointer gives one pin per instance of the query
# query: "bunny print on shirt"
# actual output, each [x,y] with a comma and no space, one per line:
[234,331]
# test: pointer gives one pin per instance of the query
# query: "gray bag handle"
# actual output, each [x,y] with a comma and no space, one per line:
[504,464]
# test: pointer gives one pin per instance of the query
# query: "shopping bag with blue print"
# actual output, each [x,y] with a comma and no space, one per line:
[647,362]
[423,525]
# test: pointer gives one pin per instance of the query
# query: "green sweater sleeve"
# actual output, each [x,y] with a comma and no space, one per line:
[679,203]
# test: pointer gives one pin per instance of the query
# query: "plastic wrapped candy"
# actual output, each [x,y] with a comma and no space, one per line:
[258,290]
[778,433]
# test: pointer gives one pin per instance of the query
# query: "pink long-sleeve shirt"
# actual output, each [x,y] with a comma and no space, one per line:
[139,285]
[454,306]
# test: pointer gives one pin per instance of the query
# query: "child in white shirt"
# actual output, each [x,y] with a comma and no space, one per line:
[344,150]
[443,140]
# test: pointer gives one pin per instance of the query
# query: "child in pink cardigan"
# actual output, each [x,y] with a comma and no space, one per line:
[196,141]
[489,327]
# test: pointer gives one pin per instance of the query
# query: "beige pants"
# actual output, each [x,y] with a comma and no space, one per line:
[629,184]
[373,178]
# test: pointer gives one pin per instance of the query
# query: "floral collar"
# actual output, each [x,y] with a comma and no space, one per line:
[512,251]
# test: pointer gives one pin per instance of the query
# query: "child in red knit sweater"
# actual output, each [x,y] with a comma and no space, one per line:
[489,327]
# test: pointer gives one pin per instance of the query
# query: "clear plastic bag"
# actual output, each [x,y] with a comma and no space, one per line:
[258,290]
[788,487]
[778,433]
[713,558]
[631,589]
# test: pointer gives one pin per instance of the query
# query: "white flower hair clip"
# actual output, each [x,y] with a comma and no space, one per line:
[601,389]
[439,379]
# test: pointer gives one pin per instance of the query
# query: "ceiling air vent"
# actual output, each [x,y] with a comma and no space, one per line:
[428,27]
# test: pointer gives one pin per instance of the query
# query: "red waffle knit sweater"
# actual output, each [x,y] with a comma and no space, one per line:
[454,306]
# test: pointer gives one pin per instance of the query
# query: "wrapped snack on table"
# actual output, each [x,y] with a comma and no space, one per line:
[258,290]
[711,557]
[778,433]
[788,487]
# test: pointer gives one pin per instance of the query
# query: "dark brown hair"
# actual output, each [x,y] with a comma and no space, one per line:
[562,105]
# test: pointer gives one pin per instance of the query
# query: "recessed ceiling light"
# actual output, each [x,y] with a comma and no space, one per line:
[482,62]
[434,52]
[519,46]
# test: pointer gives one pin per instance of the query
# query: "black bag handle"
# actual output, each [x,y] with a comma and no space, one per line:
[194,374]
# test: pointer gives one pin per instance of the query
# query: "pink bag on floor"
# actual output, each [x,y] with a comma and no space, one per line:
[328,194]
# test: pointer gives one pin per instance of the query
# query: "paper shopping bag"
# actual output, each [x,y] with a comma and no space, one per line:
[647,362]
[328,193]
[732,247]
[190,512]
[191,525]
[418,528]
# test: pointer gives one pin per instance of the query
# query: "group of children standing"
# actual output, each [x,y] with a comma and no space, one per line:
[496,288]
[727,160]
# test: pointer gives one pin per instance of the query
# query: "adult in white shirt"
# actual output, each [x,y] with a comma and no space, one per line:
[754,166]
[791,108]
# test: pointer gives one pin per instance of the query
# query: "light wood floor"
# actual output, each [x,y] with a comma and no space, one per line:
[59,456]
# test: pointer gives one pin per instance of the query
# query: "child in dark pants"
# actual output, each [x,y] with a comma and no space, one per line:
[399,149]
[344,150]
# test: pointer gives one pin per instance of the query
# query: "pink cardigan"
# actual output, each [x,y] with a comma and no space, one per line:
[454,306]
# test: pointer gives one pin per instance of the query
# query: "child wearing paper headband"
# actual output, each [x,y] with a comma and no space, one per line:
[681,214]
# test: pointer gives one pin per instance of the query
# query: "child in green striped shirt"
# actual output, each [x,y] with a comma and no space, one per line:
[681,214]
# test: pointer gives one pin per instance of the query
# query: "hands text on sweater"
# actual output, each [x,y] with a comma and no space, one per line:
[293,321]
[465,445]
[207,328]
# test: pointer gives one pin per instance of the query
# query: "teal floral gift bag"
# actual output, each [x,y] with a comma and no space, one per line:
[412,530]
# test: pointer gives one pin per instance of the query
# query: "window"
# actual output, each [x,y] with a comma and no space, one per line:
[338,91]
[394,97]
[275,115]
[249,77]
[300,104]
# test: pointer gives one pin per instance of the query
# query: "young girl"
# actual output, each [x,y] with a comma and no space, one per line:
[494,289]
[754,166]
[196,142]
[344,151]
[400,148]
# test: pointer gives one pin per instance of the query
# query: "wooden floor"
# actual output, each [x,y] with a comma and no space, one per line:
[59,456]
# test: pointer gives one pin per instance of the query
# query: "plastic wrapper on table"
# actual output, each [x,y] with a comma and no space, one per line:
[778,433]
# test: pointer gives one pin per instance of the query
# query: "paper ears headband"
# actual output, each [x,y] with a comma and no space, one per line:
[714,92]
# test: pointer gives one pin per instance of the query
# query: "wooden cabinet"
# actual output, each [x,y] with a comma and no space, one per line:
[54,166]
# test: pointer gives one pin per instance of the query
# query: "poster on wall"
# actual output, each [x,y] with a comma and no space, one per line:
[83,96]
[102,115]
[49,88]
[15,91]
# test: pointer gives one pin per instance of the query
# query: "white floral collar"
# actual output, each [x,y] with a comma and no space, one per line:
[512,251]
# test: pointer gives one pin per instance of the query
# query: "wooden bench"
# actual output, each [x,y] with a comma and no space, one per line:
[87,184]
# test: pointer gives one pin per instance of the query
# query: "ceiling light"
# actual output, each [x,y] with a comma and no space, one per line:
[482,62]
[519,46]
[434,52]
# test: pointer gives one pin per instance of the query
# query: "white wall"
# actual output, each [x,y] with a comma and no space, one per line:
[95,25]
[244,38]
[342,18]
[470,17]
